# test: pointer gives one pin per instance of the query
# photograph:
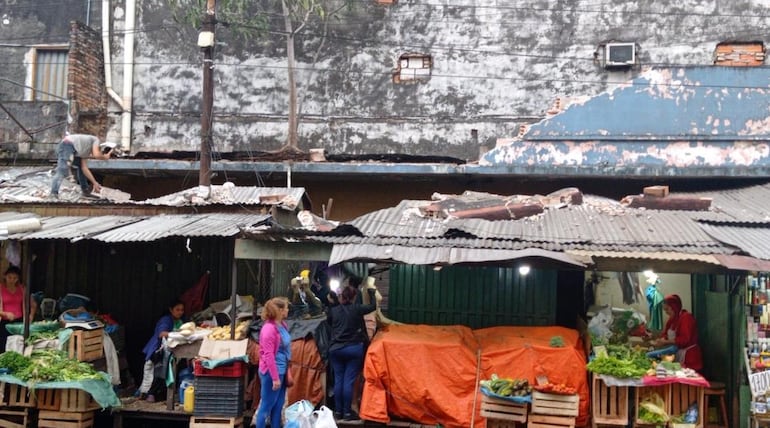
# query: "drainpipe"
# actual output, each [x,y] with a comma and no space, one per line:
[126,101]
[128,75]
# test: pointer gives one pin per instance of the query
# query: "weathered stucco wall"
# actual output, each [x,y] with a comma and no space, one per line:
[496,65]
[25,25]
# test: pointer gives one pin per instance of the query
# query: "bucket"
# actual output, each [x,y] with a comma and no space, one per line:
[183,384]
[189,399]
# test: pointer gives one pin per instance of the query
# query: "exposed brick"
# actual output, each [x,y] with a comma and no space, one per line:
[85,82]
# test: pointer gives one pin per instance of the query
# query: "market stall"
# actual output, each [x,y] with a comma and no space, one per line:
[431,374]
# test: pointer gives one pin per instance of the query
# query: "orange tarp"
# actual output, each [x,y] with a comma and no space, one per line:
[428,373]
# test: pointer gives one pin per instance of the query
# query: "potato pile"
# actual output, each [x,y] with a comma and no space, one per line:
[223,332]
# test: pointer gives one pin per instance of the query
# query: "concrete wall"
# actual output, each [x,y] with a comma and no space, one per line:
[608,291]
[495,66]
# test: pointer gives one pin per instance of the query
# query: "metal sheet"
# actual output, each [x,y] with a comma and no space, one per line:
[441,255]
[138,228]
[753,240]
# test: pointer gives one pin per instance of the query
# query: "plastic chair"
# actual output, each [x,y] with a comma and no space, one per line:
[716,389]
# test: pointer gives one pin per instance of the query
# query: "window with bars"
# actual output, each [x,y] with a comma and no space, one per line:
[49,74]
[413,68]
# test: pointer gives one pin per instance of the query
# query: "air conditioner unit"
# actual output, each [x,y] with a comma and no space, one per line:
[619,55]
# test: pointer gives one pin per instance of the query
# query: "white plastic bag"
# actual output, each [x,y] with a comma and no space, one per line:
[323,418]
[299,414]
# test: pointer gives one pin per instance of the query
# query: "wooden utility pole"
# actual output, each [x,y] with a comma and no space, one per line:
[206,41]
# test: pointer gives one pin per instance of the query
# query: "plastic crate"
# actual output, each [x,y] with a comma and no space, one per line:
[218,385]
[237,369]
[218,396]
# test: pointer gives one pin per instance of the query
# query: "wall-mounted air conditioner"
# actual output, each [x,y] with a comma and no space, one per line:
[619,55]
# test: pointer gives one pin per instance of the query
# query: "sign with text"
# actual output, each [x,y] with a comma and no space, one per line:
[759,383]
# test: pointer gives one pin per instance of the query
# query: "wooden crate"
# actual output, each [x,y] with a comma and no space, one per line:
[644,392]
[555,404]
[16,418]
[609,404]
[16,395]
[544,421]
[87,345]
[52,419]
[499,423]
[498,409]
[215,422]
[65,400]
[682,396]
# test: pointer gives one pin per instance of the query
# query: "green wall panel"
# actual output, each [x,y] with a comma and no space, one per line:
[473,296]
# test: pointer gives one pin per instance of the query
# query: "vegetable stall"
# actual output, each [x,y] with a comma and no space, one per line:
[49,381]
[664,391]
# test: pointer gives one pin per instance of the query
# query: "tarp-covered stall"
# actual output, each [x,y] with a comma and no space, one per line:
[428,374]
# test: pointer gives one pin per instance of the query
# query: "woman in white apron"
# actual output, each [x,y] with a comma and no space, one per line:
[681,330]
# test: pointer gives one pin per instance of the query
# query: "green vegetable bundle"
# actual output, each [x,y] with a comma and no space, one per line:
[55,366]
[621,368]
[14,362]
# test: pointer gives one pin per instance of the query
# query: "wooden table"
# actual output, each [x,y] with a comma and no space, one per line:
[140,409]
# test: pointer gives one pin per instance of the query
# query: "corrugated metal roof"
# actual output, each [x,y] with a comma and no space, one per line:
[289,198]
[744,205]
[140,228]
[441,255]
[753,240]
[193,225]
[595,224]
[32,184]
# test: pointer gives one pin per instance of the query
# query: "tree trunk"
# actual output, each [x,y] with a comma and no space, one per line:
[293,122]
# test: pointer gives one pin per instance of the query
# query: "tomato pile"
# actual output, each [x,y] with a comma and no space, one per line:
[558,388]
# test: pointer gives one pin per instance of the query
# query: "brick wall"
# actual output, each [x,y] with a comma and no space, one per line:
[85,82]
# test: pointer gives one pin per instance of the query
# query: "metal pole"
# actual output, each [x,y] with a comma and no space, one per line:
[233,295]
[209,24]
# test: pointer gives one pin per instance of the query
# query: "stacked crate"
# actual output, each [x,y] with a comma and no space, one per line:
[16,405]
[219,395]
[65,408]
[87,345]
[609,404]
[645,393]
[503,413]
[553,410]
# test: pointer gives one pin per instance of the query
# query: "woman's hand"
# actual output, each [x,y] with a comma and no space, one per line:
[276,385]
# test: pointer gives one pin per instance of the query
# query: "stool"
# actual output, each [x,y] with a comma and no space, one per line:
[715,389]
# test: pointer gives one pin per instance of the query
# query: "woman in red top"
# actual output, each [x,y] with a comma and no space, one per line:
[12,303]
[681,330]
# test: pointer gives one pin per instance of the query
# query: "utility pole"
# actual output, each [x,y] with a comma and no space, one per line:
[206,40]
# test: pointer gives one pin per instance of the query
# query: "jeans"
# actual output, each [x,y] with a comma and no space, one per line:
[347,363]
[271,402]
[65,157]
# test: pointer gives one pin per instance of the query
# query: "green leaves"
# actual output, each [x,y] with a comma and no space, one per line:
[55,366]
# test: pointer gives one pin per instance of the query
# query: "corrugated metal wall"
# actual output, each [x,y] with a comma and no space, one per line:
[135,282]
[473,296]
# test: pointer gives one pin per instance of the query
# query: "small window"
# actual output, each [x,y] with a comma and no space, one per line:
[413,68]
[740,54]
[49,74]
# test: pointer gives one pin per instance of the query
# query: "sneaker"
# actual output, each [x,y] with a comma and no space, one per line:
[150,398]
[352,416]
[53,197]
[337,416]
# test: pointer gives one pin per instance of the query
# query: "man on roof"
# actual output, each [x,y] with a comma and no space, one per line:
[74,151]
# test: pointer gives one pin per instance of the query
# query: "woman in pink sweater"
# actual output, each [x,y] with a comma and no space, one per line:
[274,356]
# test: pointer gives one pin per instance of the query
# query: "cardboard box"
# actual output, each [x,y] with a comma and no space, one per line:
[222,349]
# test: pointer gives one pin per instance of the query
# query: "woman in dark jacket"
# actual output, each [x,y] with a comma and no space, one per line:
[347,348]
